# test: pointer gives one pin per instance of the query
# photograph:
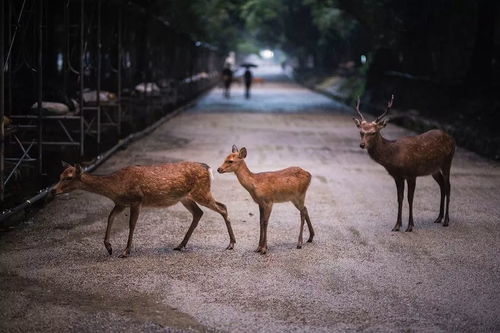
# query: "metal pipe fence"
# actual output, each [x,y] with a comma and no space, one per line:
[75,80]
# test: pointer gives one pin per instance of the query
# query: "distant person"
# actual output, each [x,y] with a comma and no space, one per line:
[248,82]
[227,79]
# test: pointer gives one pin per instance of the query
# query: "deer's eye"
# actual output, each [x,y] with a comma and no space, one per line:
[229,162]
[67,178]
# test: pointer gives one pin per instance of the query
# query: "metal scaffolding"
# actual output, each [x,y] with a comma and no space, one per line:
[126,78]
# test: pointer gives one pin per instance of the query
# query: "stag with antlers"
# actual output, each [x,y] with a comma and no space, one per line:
[407,158]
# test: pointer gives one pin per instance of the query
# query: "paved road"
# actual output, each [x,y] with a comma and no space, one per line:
[55,273]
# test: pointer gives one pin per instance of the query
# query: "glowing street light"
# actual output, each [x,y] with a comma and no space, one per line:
[266,54]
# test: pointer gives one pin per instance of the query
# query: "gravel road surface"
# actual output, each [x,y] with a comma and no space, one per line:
[55,274]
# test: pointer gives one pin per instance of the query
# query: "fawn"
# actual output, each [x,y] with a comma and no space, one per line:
[407,158]
[267,188]
[149,186]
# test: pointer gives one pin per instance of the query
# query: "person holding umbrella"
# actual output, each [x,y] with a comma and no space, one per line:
[248,82]
[248,77]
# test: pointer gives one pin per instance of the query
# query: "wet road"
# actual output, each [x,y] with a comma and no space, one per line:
[56,275]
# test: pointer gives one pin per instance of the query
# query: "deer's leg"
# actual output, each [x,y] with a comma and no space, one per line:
[208,201]
[400,185]
[304,216]
[115,211]
[261,228]
[309,225]
[438,177]
[197,214]
[134,214]
[411,190]
[302,220]
[300,206]
[223,212]
[265,220]
[447,188]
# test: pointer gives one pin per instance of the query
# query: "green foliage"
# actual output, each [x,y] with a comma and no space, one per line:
[248,46]
[217,22]
[221,21]
[258,12]
[262,20]
[302,28]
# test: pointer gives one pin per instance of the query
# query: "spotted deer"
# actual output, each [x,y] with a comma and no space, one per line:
[407,158]
[148,186]
[267,188]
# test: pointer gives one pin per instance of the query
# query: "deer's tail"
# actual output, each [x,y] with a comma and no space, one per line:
[209,169]
[211,174]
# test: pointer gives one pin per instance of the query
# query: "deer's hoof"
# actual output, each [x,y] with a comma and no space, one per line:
[125,254]
[299,246]
[261,250]
[310,240]
[445,224]
[395,228]
[409,229]
[230,247]
[438,220]
[178,248]
[108,247]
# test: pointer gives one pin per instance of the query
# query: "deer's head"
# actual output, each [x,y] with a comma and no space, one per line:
[69,180]
[234,160]
[369,131]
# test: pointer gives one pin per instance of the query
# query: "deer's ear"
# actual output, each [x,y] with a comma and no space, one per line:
[234,149]
[243,152]
[78,170]
[383,123]
[357,122]
[65,164]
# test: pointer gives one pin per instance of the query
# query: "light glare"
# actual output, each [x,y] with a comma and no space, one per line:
[266,54]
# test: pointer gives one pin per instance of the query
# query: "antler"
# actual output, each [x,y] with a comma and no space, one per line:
[359,112]
[389,105]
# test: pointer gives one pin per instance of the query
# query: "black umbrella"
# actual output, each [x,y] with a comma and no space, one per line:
[248,65]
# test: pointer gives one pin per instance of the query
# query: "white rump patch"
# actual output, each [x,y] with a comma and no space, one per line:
[210,174]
